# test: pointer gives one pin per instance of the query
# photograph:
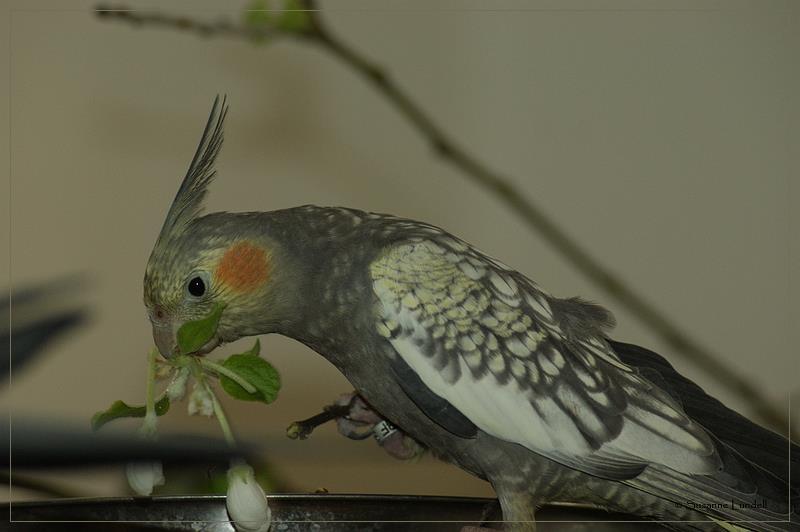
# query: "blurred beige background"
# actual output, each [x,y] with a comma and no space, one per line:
[662,135]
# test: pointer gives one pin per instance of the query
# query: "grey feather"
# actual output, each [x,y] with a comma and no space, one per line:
[587,318]
[436,408]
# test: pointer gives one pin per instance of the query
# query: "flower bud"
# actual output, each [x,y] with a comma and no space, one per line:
[246,502]
[200,401]
[144,476]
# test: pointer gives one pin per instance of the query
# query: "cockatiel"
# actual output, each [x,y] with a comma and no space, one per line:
[471,358]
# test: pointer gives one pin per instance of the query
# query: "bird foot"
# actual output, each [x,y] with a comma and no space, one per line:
[362,421]
[359,421]
[355,419]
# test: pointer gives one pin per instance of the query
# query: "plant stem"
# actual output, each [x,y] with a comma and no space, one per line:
[222,370]
[219,412]
[150,416]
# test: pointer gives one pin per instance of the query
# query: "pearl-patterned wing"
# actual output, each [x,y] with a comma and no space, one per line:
[486,341]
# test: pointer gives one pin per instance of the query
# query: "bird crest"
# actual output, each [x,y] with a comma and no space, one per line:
[188,202]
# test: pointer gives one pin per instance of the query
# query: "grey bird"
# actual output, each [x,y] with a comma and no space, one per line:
[469,357]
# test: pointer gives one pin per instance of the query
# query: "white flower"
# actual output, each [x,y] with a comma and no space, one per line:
[201,402]
[246,502]
[177,388]
[144,476]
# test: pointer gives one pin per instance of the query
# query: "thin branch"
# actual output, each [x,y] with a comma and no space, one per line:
[222,27]
[662,326]
[301,430]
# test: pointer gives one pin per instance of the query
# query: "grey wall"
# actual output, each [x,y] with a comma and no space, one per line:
[661,135]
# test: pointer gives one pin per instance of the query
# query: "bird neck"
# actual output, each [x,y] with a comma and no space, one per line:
[322,290]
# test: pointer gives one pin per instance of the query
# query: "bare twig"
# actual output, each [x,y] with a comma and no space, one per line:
[219,28]
[40,486]
[474,169]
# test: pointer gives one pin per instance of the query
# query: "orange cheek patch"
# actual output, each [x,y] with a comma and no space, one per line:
[243,267]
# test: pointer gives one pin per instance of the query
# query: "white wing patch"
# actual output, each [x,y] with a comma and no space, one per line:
[502,411]
[487,341]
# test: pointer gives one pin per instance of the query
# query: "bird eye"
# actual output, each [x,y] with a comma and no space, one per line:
[197,287]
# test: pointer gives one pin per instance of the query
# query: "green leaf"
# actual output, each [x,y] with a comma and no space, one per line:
[193,335]
[255,350]
[255,370]
[120,409]
[257,14]
[258,18]
[294,17]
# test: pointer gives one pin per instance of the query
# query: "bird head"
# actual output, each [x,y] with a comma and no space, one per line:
[200,263]
[211,265]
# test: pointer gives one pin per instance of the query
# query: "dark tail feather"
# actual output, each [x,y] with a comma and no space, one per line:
[772,452]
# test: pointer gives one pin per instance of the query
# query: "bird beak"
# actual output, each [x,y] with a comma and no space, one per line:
[165,340]
[168,346]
